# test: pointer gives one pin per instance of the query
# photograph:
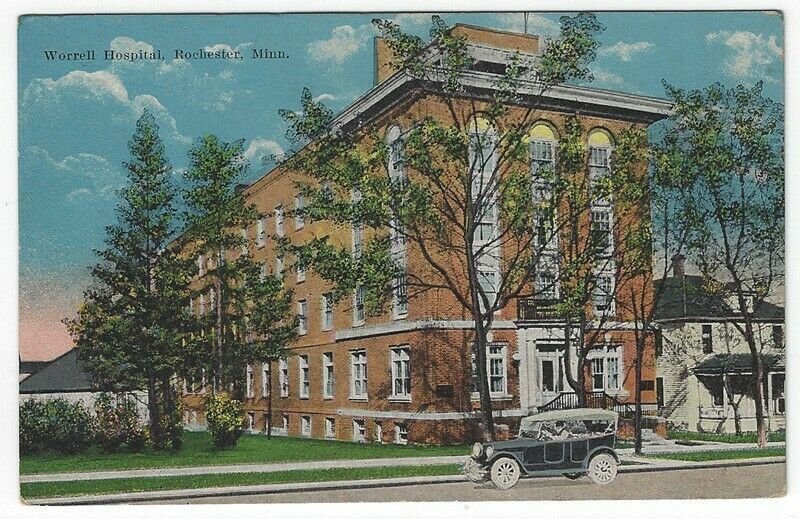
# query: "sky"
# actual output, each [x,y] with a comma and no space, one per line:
[76,117]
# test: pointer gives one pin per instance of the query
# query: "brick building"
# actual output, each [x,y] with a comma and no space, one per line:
[404,376]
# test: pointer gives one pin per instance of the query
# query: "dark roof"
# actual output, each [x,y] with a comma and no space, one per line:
[62,375]
[736,363]
[32,366]
[686,297]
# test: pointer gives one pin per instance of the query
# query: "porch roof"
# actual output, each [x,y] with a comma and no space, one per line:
[736,363]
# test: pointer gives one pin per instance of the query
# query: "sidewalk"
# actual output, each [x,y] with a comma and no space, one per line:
[135,497]
[625,455]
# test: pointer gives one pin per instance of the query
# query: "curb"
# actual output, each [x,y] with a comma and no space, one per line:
[176,495]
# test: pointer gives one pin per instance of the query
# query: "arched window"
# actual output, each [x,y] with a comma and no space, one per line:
[601,143]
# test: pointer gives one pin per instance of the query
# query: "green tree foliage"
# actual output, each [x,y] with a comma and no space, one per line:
[130,327]
[725,149]
[54,425]
[224,417]
[456,173]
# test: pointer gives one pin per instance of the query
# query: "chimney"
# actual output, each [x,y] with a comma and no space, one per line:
[383,60]
[678,265]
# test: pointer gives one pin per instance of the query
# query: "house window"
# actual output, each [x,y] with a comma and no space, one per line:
[397,176]
[601,231]
[358,306]
[249,381]
[299,206]
[201,265]
[546,285]
[303,370]
[707,339]
[400,296]
[261,231]
[251,421]
[496,368]
[778,395]
[358,374]
[401,373]
[777,335]
[551,368]
[606,368]
[378,432]
[603,294]
[279,231]
[305,425]
[359,431]
[330,427]
[612,375]
[283,375]
[401,433]
[598,377]
[285,422]
[302,317]
[265,376]
[301,273]
[327,374]
[488,284]
[327,311]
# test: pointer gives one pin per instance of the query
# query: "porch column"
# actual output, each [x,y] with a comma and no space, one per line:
[524,375]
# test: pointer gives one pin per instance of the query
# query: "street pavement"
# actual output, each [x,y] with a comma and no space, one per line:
[751,481]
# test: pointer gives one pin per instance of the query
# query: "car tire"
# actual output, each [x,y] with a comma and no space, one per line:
[602,468]
[573,475]
[474,471]
[505,473]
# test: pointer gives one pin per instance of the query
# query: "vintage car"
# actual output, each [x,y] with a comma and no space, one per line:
[569,442]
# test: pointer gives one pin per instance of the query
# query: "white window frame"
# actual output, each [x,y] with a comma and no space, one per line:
[280,231]
[604,289]
[303,372]
[285,423]
[305,425]
[302,314]
[283,377]
[485,247]
[401,430]
[502,355]
[556,357]
[326,311]
[359,431]
[261,231]
[330,427]
[328,377]
[358,375]
[359,305]
[599,357]
[265,379]
[299,205]
[301,274]
[400,360]
[397,173]
[250,381]
[378,432]
[251,421]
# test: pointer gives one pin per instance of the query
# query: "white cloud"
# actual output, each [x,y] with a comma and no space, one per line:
[261,149]
[227,48]
[161,114]
[409,19]
[99,84]
[537,24]
[96,174]
[343,43]
[754,55]
[606,78]
[626,51]
[325,97]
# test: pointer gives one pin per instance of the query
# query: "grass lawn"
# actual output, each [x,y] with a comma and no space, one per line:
[115,486]
[777,436]
[197,451]
[722,455]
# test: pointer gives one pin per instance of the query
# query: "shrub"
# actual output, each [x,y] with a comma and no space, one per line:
[56,425]
[224,417]
[118,423]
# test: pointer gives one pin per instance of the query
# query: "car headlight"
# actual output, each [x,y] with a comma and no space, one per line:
[477,449]
[489,451]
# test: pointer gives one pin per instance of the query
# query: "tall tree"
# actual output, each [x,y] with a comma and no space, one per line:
[217,213]
[130,327]
[729,142]
[455,190]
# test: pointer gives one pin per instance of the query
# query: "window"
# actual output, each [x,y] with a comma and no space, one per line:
[546,285]
[327,375]
[261,231]
[496,369]
[262,272]
[279,267]
[401,433]
[279,231]
[777,335]
[401,373]
[302,317]
[301,273]
[606,365]
[378,432]
[551,368]
[400,296]
[283,376]
[358,374]
[601,231]
[249,381]
[359,431]
[330,427]
[265,379]
[285,422]
[612,375]
[327,311]
[305,425]
[603,294]
[778,393]
[358,306]
[251,421]
[397,176]
[202,304]
[303,370]
[299,206]
[598,377]
[201,265]
[707,340]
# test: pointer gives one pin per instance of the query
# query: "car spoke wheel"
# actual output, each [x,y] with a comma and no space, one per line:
[474,471]
[573,475]
[505,473]
[602,468]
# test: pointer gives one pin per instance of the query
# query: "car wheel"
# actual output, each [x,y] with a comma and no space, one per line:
[474,471]
[505,473]
[573,475]
[602,468]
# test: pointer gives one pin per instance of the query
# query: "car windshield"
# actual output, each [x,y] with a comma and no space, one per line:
[565,429]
